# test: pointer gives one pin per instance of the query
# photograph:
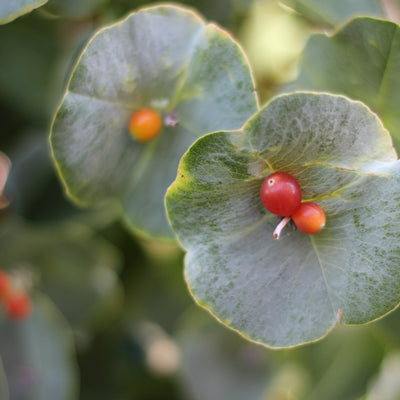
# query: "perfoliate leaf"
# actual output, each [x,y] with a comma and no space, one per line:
[11,9]
[360,61]
[294,290]
[166,58]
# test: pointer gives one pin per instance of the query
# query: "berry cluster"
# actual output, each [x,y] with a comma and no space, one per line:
[281,195]
[16,303]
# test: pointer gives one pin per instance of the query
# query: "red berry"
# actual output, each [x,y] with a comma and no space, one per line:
[145,125]
[309,218]
[281,194]
[5,284]
[18,306]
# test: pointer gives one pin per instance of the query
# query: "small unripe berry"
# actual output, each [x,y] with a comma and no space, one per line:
[145,125]
[309,218]
[18,306]
[281,194]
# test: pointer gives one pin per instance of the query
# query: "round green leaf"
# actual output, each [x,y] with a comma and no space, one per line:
[38,355]
[166,58]
[294,290]
[360,61]
[9,10]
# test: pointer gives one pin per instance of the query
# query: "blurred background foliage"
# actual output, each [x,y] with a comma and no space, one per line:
[112,317]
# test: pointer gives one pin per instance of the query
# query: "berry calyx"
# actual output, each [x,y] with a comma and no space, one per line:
[281,194]
[18,306]
[309,218]
[145,125]
[280,226]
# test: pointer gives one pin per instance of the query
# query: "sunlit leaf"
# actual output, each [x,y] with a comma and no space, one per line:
[291,291]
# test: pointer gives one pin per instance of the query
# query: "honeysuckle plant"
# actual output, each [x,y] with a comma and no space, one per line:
[164,58]
[294,290]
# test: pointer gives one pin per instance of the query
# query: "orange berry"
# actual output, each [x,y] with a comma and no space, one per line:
[18,306]
[309,218]
[145,125]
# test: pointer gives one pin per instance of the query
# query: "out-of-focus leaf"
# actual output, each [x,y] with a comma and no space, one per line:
[333,13]
[215,359]
[361,61]
[11,9]
[38,355]
[273,39]
[166,58]
[291,291]
[74,8]
[4,390]
[76,269]
[386,385]
[217,364]
[341,366]
[28,52]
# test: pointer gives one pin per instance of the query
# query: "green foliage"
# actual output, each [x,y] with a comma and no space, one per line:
[286,292]
[361,61]
[112,317]
[165,58]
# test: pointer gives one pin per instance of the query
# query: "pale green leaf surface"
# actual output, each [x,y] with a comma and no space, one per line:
[38,355]
[287,292]
[336,12]
[162,57]
[11,9]
[361,61]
